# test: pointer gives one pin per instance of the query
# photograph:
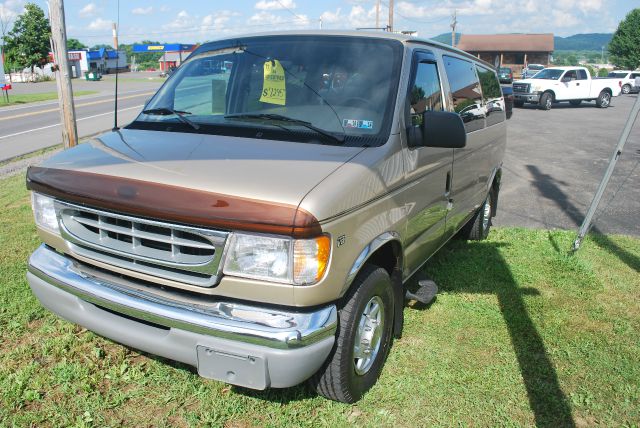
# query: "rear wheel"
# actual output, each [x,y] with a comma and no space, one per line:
[626,89]
[363,340]
[603,100]
[545,101]
[575,102]
[478,227]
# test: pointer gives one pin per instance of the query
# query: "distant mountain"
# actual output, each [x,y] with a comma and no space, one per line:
[446,38]
[577,42]
[583,42]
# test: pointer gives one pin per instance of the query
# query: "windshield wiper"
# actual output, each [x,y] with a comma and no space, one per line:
[282,118]
[163,111]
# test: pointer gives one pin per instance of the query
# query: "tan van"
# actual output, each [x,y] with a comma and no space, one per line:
[259,218]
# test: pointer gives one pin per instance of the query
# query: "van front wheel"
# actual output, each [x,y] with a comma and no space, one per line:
[363,340]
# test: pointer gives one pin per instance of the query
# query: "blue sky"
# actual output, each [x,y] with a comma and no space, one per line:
[189,21]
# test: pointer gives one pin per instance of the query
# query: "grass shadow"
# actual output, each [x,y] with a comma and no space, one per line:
[479,267]
[549,188]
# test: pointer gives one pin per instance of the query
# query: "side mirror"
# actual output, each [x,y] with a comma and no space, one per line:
[567,79]
[438,129]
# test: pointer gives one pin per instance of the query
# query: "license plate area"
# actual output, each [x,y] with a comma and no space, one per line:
[235,368]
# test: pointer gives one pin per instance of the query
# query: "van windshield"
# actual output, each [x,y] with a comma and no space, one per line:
[296,88]
[549,74]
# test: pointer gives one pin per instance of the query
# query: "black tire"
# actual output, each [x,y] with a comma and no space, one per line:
[338,379]
[518,103]
[545,101]
[575,102]
[477,229]
[626,89]
[603,100]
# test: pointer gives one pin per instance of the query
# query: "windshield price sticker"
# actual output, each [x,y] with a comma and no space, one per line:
[274,90]
[355,123]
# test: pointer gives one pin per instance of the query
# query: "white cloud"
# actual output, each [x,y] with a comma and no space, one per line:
[564,19]
[331,17]
[357,17]
[99,24]
[88,11]
[183,21]
[275,4]
[264,18]
[142,10]
[9,11]
[164,8]
[217,20]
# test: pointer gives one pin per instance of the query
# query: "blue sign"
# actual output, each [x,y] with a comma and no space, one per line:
[170,47]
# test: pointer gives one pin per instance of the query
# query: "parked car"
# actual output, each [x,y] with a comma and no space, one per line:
[627,79]
[262,227]
[505,75]
[531,69]
[559,84]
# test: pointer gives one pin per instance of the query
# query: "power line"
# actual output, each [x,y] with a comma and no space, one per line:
[196,28]
[290,11]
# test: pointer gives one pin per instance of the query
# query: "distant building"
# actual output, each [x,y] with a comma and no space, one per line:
[509,50]
[103,60]
[172,53]
[106,61]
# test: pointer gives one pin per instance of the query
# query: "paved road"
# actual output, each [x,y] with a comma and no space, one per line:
[555,160]
[29,127]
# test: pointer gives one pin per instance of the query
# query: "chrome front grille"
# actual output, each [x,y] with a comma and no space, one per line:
[178,253]
[521,87]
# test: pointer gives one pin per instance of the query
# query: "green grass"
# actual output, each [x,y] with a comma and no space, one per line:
[32,98]
[521,334]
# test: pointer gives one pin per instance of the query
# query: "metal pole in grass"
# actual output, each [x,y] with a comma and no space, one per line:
[586,224]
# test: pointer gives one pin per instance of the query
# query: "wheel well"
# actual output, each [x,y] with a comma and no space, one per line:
[495,186]
[608,90]
[553,94]
[387,257]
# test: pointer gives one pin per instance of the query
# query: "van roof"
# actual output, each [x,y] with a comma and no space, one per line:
[403,38]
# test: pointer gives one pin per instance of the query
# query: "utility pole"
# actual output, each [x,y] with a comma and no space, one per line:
[378,14]
[63,74]
[391,16]
[454,22]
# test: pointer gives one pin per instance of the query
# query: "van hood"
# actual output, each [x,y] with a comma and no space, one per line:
[278,173]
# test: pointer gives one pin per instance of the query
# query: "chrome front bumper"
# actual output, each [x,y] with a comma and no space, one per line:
[527,97]
[252,346]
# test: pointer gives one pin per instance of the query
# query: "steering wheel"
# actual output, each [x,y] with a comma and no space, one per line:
[357,101]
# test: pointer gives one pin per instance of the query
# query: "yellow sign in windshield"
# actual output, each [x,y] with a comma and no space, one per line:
[274,90]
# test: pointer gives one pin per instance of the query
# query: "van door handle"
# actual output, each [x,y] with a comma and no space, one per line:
[447,186]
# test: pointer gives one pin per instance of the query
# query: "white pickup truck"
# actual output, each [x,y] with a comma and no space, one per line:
[628,79]
[572,84]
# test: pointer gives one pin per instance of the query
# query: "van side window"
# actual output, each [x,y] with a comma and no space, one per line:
[465,89]
[425,93]
[491,96]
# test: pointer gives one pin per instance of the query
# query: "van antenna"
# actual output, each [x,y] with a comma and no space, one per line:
[116,29]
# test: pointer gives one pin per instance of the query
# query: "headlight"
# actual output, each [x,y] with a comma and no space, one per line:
[277,259]
[44,212]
